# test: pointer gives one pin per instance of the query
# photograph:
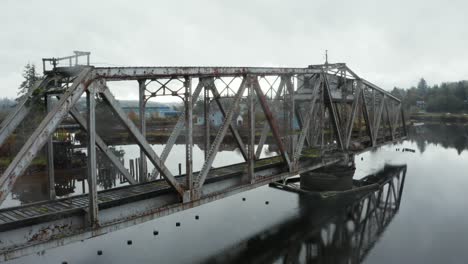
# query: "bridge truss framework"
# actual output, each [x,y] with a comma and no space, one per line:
[323,107]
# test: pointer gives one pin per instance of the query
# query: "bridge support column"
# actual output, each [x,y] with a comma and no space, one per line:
[251,146]
[337,177]
[206,106]
[93,204]
[142,115]
[188,134]
[50,156]
[290,112]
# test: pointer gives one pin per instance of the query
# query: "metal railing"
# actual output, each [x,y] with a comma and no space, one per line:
[68,61]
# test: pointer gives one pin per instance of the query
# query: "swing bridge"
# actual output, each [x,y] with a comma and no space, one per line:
[313,117]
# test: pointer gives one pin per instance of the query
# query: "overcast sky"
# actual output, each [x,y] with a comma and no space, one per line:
[390,43]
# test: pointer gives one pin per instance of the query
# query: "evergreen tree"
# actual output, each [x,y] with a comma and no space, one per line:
[30,78]
[422,86]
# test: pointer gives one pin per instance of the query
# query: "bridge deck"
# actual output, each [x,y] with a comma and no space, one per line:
[30,214]
[15,217]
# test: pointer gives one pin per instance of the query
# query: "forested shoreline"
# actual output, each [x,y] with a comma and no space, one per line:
[448,97]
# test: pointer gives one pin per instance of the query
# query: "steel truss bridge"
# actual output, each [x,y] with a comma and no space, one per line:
[313,117]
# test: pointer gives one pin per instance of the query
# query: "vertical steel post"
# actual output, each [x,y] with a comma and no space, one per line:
[232,127]
[251,146]
[378,119]
[219,137]
[389,119]
[300,121]
[272,122]
[322,120]
[374,112]
[403,120]
[178,128]
[365,113]
[188,132]
[93,206]
[266,127]
[359,113]
[306,126]
[284,128]
[333,113]
[206,119]
[291,117]
[352,116]
[50,156]
[142,113]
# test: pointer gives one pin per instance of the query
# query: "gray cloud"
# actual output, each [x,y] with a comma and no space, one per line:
[391,43]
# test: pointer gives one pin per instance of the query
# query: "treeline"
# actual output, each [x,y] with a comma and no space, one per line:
[446,97]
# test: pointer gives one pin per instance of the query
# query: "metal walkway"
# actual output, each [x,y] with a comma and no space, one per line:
[28,214]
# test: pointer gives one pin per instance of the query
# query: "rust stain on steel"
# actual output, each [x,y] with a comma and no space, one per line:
[269,116]
[50,232]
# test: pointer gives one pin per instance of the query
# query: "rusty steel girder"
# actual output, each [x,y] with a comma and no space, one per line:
[301,96]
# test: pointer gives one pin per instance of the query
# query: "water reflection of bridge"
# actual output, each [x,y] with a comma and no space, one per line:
[339,229]
[70,174]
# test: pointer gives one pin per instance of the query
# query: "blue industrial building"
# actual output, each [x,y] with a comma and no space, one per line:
[150,111]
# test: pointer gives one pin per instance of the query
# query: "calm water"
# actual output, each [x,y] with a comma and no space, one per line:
[428,228]
[33,187]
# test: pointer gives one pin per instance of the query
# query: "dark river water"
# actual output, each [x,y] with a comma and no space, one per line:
[429,227]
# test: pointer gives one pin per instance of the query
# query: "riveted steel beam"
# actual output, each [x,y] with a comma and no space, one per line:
[352,117]
[92,212]
[102,146]
[367,121]
[179,126]
[405,132]
[50,156]
[134,73]
[332,111]
[15,117]
[308,119]
[266,126]
[206,117]
[251,143]
[43,131]
[232,128]
[301,122]
[220,136]
[272,122]
[396,118]
[389,120]
[188,133]
[141,141]
[379,118]
[142,116]
[380,90]
[290,108]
